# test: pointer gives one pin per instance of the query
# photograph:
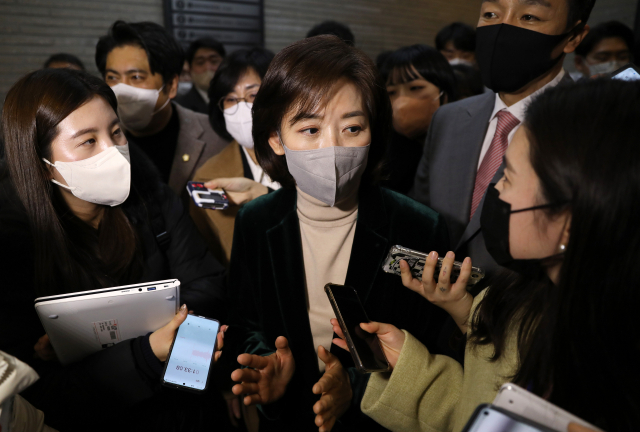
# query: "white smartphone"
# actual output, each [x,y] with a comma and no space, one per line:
[191,356]
[521,402]
[489,418]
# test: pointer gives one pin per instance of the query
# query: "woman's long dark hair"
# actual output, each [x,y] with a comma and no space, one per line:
[577,342]
[69,254]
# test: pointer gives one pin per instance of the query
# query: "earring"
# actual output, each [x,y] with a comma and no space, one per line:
[562,247]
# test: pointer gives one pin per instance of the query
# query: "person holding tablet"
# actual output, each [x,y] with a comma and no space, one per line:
[80,210]
[321,123]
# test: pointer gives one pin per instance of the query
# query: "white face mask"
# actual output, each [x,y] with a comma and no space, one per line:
[604,68]
[239,123]
[202,80]
[459,61]
[328,174]
[136,105]
[101,179]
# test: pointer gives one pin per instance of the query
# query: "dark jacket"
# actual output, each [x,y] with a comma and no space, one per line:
[193,101]
[71,396]
[269,298]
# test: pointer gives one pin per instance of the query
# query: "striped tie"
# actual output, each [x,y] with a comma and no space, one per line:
[493,159]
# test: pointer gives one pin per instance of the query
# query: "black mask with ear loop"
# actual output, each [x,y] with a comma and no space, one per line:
[494,221]
[510,57]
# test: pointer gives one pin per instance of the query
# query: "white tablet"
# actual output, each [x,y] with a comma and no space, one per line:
[519,401]
[82,323]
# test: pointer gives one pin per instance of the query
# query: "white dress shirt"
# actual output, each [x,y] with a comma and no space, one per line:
[518,110]
[258,173]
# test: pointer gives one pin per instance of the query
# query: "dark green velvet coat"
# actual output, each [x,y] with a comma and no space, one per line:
[267,289]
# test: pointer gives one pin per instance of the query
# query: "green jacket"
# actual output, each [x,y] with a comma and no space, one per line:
[432,393]
[267,289]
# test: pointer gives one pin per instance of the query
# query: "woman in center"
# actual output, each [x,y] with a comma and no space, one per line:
[321,122]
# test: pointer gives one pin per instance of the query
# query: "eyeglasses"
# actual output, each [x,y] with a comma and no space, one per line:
[231,103]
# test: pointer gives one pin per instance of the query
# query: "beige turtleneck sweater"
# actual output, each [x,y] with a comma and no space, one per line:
[327,236]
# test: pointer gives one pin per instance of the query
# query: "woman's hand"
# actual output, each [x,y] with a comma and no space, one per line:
[391,338]
[239,190]
[161,339]
[44,350]
[265,379]
[453,298]
[335,388]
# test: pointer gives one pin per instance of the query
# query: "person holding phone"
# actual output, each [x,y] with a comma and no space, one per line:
[320,126]
[80,210]
[232,93]
[561,322]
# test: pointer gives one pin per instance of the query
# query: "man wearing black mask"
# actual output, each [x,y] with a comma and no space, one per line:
[520,48]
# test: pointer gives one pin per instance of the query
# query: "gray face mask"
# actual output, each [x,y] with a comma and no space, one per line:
[328,174]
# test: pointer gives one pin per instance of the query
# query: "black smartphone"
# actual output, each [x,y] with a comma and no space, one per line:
[207,198]
[365,348]
[629,72]
[188,366]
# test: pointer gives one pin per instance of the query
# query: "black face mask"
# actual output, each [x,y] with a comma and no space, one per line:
[510,57]
[495,230]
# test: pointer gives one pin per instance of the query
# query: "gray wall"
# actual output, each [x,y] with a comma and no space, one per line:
[31,30]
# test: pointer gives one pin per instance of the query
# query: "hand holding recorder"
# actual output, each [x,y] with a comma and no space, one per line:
[453,298]
[239,190]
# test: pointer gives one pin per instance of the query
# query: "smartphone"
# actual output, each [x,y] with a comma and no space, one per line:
[365,348]
[519,401]
[191,356]
[207,198]
[416,262]
[629,72]
[488,418]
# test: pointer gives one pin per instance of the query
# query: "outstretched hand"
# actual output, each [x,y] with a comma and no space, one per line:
[239,190]
[453,298]
[265,379]
[335,388]
[391,338]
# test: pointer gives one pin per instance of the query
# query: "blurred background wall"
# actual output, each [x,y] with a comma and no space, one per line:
[31,30]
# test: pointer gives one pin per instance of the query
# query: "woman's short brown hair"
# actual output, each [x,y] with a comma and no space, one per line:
[302,77]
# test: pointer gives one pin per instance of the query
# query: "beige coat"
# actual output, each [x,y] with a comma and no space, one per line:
[217,226]
[430,393]
[197,143]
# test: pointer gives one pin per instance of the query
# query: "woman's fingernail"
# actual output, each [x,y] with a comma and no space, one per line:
[433,255]
[183,308]
[467,260]
[450,254]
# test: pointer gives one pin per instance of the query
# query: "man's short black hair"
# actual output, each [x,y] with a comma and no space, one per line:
[64,58]
[333,28]
[602,31]
[205,42]
[579,10]
[165,55]
[462,35]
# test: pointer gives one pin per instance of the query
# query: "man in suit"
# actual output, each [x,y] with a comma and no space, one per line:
[521,46]
[142,63]
[204,57]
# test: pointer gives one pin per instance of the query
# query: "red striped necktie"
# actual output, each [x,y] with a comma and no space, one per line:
[493,158]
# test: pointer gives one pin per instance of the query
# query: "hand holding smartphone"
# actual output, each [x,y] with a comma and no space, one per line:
[207,198]
[365,348]
[192,354]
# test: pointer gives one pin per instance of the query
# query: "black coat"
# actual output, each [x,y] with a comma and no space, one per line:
[71,396]
[269,297]
[193,101]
